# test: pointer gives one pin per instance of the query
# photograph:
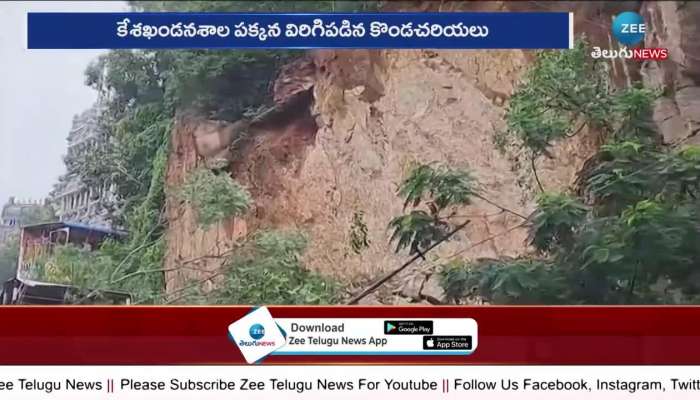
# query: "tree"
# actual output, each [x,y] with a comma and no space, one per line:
[437,188]
[505,281]
[630,233]
[141,91]
[555,221]
[564,92]
[559,88]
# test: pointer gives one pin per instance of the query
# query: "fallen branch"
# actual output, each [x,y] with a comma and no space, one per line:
[143,272]
[494,236]
[534,171]
[405,265]
[500,207]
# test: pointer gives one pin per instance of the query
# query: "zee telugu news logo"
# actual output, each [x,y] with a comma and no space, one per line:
[629,29]
[256,332]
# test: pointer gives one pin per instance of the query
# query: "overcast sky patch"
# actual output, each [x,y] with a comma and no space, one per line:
[40,92]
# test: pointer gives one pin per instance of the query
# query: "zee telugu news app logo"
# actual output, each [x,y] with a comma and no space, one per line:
[629,29]
[257,335]
[256,332]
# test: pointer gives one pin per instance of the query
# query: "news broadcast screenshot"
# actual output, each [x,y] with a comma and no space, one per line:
[259,200]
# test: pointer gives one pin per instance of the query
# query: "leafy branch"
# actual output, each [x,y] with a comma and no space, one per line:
[437,188]
[630,234]
[215,197]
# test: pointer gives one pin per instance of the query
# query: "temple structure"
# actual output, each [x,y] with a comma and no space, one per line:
[74,200]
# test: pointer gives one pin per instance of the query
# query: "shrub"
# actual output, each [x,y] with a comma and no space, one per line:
[215,197]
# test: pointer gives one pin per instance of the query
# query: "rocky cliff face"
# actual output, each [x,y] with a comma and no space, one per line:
[350,123]
[674,25]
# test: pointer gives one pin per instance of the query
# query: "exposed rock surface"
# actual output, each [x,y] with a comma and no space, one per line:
[193,254]
[674,25]
[350,123]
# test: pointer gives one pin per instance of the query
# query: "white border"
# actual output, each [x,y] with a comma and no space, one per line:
[571,30]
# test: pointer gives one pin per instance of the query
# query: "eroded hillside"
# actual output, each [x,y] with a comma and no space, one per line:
[348,124]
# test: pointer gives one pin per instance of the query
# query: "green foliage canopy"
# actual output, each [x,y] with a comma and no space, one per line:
[439,187]
[631,234]
[141,92]
[565,91]
[555,220]
[267,270]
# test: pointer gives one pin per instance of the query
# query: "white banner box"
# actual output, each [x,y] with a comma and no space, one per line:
[349,382]
[378,336]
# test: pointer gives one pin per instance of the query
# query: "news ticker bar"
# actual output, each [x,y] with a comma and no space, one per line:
[350,382]
[449,30]
[136,335]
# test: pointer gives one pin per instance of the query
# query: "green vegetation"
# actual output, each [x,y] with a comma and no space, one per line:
[215,197]
[9,252]
[358,233]
[436,188]
[530,281]
[627,233]
[560,88]
[555,220]
[71,265]
[564,92]
[631,232]
[265,270]
[143,91]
